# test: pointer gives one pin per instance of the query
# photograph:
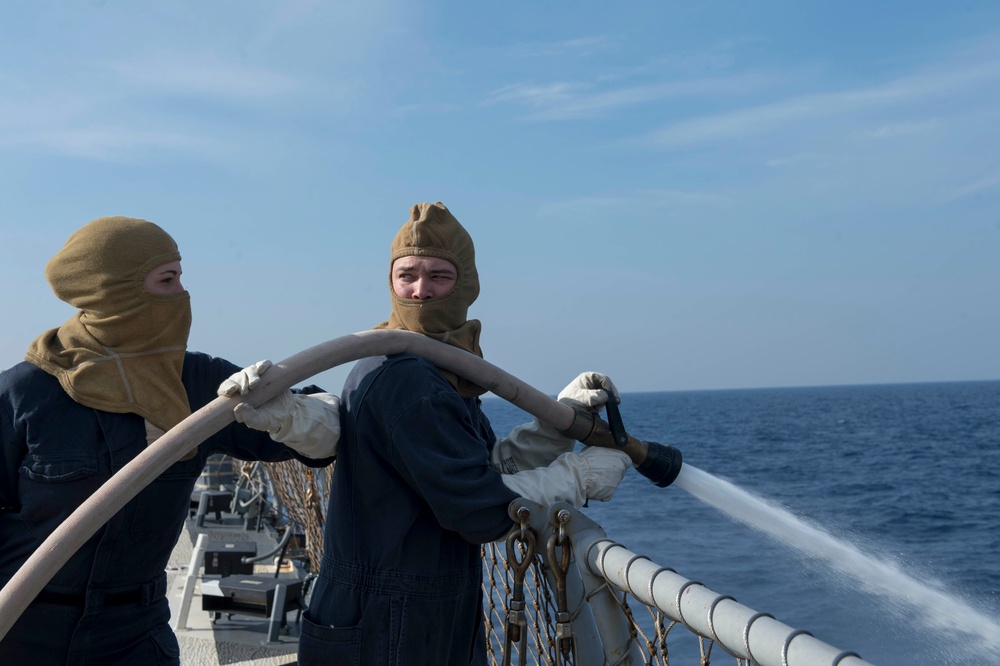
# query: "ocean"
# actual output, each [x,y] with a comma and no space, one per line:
[906,473]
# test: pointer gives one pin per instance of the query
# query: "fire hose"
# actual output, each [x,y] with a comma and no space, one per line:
[659,463]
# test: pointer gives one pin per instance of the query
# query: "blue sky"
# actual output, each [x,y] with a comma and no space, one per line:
[681,195]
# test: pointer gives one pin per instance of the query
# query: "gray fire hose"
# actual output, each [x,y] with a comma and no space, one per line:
[83,523]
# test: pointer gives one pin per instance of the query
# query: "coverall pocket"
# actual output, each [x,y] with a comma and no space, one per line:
[52,486]
[168,650]
[157,647]
[329,646]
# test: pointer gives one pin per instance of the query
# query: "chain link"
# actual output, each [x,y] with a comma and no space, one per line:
[558,551]
[520,541]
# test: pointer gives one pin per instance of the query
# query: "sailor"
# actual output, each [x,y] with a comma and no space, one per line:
[89,397]
[418,485]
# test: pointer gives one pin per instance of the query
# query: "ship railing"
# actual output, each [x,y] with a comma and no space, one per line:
[621,607]
[580,614]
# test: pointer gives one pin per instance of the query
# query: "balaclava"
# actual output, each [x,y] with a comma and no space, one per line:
[432,231]
[124,351]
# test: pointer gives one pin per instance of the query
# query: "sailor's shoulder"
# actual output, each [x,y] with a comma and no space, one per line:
[411,369]
[26,377]
[398,380]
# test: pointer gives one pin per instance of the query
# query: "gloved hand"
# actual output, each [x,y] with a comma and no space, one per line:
[244,380]
[590,390]
[594,473]
[310,424]
[536,444]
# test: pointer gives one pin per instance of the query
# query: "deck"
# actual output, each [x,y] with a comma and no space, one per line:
[240,639]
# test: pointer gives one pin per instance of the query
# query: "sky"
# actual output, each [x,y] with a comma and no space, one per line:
[685,196]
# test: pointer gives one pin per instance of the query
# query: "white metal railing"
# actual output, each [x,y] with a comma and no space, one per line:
[603,572]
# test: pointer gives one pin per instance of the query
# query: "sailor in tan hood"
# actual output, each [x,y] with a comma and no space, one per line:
[89,398]
[421,480]
[124,350]
[433,281]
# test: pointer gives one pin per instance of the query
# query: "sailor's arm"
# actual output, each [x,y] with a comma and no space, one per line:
[594,473]
[537,444]
[307,423]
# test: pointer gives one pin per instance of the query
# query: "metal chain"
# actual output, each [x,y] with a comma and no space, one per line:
[559,563]
[516,631]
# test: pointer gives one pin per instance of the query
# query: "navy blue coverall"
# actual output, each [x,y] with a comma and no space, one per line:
[412,500]
[107,604]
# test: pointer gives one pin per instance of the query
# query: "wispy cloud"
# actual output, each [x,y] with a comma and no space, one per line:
[769,117]
[582,46]
[112,120]
[536,96]
[983,184]
[718,57]
[647,201]
[801,158]
[698,197]
[110,143]
[900,129]
[566,101]
[204,74]
[102,127]
[20,114]
[407,110]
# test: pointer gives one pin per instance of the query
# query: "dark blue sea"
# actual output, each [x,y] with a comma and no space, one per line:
[908,473]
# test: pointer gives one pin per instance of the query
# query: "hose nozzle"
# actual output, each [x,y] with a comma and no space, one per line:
[660,463]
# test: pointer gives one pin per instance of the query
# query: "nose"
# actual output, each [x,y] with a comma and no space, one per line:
[422,290]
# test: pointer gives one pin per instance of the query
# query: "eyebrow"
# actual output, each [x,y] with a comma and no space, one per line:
[413,266]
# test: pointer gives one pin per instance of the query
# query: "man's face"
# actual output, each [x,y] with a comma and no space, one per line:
[421,278]
[165,279]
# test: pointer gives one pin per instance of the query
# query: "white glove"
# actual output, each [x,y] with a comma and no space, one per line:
[244,380]
[310,424]
[537,444]
[590,390]
[594,473]
[529,445]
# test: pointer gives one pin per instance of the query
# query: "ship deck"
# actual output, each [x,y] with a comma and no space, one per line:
[208,639]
